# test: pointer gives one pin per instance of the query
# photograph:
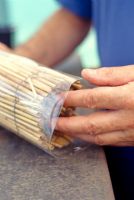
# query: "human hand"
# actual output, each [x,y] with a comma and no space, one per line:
[115,94]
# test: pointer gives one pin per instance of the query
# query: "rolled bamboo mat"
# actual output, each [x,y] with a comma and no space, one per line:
[30,99]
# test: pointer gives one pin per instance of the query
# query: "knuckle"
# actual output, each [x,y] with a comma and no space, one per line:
[129,136]
[125,136]
[91,128]
[99,140]
[90,100]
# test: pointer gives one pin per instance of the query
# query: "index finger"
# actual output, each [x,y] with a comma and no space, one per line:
[100,98]
[113,76]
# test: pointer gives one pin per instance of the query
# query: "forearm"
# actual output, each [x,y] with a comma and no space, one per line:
[56,39]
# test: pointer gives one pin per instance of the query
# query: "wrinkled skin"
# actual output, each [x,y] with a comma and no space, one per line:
[113,123]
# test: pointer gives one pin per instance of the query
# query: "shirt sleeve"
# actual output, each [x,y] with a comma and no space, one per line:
[82,8]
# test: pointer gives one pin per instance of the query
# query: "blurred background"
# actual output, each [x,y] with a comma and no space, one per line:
[26,16]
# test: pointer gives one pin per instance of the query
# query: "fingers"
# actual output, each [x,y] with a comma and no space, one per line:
[113,76]
[102,97]
[96,123]
[118,138]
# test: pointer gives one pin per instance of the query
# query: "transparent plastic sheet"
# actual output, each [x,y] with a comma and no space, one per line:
[31,102]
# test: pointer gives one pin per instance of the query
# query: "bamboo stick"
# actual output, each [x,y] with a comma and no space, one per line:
[24,85]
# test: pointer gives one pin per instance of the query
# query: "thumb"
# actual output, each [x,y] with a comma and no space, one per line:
[113,76]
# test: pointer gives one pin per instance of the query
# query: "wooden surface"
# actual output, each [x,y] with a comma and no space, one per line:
[27,173]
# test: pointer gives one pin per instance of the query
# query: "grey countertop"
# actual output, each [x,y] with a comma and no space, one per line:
[27,173]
